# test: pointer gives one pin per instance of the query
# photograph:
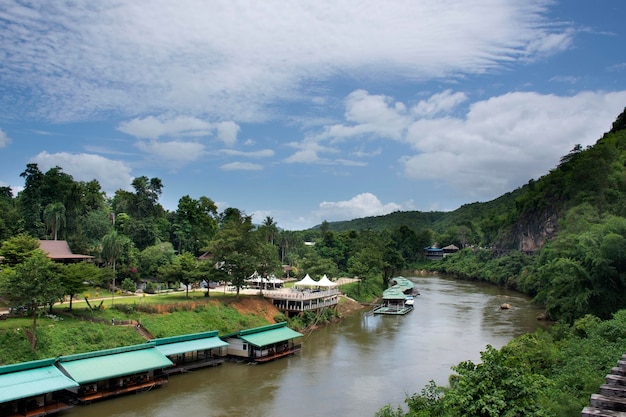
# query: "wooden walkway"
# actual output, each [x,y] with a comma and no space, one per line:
[611,400]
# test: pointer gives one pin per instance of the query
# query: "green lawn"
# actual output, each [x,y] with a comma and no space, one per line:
[163,315]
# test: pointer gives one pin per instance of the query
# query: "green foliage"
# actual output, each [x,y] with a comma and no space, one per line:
[546,373]
[128,285]
[17,249]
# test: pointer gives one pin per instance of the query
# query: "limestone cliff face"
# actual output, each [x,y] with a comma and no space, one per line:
[531,231]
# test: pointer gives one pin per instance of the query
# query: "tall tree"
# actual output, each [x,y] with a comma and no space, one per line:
[33,283]
[270,228]
[194,223]
[235,248]
[54,215]
[113,245]
[30,200]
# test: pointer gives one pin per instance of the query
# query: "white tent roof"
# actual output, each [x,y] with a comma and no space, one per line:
[307,281]
[325,282]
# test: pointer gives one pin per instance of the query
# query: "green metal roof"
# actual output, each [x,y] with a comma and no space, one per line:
[189,343]
[393,293]
[31,378]
[267,335]
[402,283]
[100,365]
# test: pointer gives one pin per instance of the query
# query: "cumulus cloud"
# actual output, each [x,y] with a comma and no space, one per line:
[227,132]
[241,166]
[153,128]
[440,103]
[112,175]
[232,61]
[497,146]
[176,152]
[4,139]
[361,205]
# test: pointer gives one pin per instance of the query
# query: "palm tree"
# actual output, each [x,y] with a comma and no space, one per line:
[112,246]
[54,215]
[271,229]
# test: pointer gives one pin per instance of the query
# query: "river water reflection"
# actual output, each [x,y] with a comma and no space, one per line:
[352,368]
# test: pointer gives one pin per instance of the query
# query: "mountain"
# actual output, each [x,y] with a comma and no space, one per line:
[529,216]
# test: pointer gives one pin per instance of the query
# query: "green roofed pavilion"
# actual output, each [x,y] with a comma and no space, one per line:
[189,343]
[111,363]
[30,379]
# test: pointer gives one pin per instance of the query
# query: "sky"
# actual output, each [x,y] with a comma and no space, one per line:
[308,111]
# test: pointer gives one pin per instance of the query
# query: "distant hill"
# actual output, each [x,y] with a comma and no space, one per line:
[528,216]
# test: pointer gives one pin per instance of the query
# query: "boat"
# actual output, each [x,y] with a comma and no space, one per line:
[409,300]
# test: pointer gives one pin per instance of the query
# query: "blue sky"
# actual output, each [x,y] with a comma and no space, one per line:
[312,110]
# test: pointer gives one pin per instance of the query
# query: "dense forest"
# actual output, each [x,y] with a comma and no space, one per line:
[560,238]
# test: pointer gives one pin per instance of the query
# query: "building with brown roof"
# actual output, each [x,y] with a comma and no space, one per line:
[59,251]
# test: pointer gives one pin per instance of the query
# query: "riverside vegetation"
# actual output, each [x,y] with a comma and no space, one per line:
[560,238]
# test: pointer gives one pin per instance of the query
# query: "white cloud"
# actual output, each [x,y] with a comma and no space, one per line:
[181,126]
[174,151]
[112,175]
[497,146]
[231,61]
[227,132]
[362,205]
[262,153]
[507,140]
[241,166]
[437,104]
[4,139]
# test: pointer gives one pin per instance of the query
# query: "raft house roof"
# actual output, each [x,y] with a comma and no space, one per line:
[104,364]
[29,379]
[267,335]
[176,345]
[394,293]
[402,283]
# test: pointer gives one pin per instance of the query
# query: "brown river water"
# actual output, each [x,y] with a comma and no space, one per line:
[351,368]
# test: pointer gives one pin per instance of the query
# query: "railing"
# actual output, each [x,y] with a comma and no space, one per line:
[299,295]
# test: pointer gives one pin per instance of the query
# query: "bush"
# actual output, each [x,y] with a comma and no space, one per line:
[129,285]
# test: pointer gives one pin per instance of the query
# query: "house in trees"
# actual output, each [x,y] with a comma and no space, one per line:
[450,249]
[433,253]
[59,251]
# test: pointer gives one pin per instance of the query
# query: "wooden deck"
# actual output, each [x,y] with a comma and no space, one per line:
[268,358]
[98,395]
[185,367]
[45,410]
[393,310]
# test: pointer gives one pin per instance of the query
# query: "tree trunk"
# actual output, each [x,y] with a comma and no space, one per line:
[33,340]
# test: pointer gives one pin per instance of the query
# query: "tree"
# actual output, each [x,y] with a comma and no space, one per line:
[270,229]
[152,258]
[30,199]
[54,215]
[18,248]
[235,247]
[76,275]
[112,247]
[194,224]
[33,283]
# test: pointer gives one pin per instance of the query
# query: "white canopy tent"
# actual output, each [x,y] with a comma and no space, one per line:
[325,282]
[306,282]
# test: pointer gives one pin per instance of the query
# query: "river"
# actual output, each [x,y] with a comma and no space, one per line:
[351,368]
